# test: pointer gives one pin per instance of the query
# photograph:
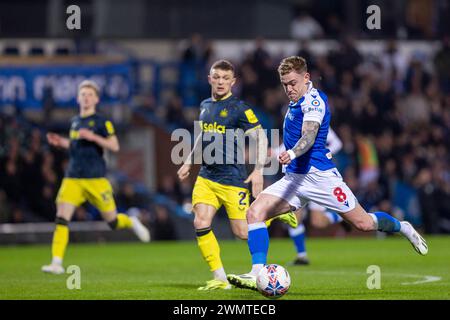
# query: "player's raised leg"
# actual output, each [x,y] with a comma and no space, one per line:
[60,238]
[209,247]
[99,192]
[119,221]
[328,189]
[384,222]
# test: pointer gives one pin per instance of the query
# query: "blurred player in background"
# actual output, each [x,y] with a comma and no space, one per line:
[90,134]
[224,184]
[310,176]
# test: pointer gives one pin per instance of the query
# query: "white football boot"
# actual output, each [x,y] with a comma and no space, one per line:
[53,268]
[419,244]
[140,230]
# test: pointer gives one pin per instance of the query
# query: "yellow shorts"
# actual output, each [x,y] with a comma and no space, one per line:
[236,200]
[97,191]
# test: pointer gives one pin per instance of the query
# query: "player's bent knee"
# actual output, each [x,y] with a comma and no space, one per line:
[201,222]
[254,216]
[241,234]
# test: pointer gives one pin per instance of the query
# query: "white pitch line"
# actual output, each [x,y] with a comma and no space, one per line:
[424,279]
[427,279]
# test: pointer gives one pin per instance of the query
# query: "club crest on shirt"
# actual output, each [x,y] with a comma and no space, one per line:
[223,113]
[315,103]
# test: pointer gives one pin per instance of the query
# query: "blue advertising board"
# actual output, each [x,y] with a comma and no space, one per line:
[27,86]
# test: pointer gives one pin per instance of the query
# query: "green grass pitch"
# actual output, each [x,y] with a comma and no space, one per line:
[174,270]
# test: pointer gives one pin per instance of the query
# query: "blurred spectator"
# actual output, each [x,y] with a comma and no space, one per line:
[347,57]
[334,27]
[195,61]
[416,75]
[394,63]
[414,108]
[5,210]
[250,90]
[175,114]
[419,21]
[304,52]
[127,198]
[442,64]
[10,167]
[162,227]
[80,214]
[170,188]
[368,162]
[305,27]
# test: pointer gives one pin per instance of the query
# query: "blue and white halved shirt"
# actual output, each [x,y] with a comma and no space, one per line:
[313,106]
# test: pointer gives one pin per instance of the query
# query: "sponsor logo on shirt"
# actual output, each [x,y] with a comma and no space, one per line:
[212,127]
[309,109]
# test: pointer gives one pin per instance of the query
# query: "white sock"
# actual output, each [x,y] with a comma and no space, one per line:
[256,268]
[406,230]
[295,232]
[301,254]
[220,274]
[57,261]
[375,220]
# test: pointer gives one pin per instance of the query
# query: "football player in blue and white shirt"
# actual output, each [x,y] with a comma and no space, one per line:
[310,176]
[319,216]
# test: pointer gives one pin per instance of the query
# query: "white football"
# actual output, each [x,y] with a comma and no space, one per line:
[273,281]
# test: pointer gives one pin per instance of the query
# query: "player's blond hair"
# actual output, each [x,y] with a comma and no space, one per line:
[89,84]
[293,63]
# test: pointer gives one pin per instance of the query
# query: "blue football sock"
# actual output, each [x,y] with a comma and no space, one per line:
[258,242]
[385,222]
[298,236]
[333,217]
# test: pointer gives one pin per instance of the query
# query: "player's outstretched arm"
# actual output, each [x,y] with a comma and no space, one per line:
[309,134]
[256,177]
[58,141]
[185,169]
[110,143]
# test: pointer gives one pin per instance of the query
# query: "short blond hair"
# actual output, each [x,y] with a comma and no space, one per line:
[89,84]
[293,63]
[224,65]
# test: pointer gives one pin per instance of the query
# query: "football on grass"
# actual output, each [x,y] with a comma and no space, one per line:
[273,281]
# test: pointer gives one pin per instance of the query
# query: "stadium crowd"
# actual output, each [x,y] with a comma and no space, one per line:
[392,113]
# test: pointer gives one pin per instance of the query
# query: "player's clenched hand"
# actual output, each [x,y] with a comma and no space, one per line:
[257,180]
[183,172]
[86,134]
[54,139]
[284,158]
